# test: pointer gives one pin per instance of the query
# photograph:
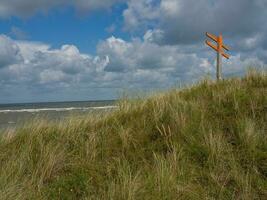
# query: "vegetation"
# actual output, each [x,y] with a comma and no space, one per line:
[208,141]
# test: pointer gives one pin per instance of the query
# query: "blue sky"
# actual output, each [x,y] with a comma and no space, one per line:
[66,26]
[64,50]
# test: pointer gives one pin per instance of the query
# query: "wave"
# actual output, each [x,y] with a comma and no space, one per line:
[58,109]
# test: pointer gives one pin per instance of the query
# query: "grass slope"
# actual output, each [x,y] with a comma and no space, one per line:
[204,142]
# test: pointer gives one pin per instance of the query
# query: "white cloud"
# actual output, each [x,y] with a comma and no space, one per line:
[170,7]
[237,65]
[48,76]
[155,35]
[143,57]
[40,70]
[39,64]
[186,21]
[9,52]
[140,11]
[28,49]
[182,24]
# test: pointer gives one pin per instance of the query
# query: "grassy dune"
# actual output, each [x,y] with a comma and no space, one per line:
[208,141]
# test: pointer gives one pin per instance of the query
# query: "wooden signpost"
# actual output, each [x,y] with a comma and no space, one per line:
[219,48]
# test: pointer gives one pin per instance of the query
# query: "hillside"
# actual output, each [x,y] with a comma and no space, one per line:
[207,141]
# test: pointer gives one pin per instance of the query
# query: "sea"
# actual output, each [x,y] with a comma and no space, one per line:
[14,115]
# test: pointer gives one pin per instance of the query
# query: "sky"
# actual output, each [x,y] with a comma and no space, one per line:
[73,50]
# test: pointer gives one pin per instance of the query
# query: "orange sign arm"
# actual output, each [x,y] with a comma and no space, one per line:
[225,47]
[216,49]
[213,37]
[211,45]
[225,55]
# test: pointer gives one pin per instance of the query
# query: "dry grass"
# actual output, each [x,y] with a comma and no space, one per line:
[204,142]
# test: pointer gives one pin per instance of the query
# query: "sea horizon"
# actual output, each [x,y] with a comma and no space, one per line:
[66,101]
[14,114]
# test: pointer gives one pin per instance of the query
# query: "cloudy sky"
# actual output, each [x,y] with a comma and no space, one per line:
[62,50]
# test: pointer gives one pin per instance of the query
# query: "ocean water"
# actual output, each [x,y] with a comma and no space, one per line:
[12,115]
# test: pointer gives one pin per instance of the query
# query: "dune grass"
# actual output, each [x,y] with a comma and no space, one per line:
[208,141]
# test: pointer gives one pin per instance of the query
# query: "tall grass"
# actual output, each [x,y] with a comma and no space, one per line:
[208,141]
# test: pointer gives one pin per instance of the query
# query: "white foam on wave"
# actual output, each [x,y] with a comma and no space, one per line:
[57,109]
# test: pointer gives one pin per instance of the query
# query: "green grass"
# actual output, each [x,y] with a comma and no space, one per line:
[208,141]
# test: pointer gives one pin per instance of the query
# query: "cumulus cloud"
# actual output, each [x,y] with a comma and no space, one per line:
[36,63]
[35,69]
[118,63]
[139,12]
[185,21]
[27,8]
[9,52]
[177,27]
[173,63]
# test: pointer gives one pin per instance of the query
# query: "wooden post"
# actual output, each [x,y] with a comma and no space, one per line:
[219,57]
[219,66]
